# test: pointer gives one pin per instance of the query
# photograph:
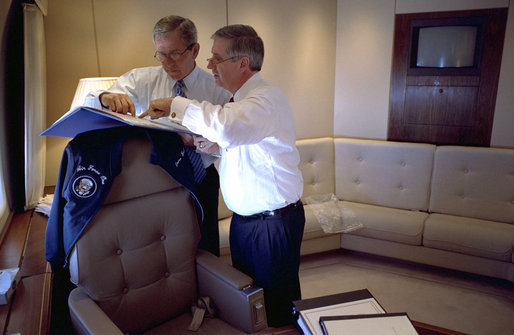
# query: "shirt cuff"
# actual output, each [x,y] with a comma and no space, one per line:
[178,108]
[92,100]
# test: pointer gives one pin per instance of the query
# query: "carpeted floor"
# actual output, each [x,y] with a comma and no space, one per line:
[449,299]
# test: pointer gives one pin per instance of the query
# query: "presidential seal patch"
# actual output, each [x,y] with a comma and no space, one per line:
[84,186]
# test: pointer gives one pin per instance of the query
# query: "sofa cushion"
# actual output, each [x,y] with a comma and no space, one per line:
[470,236]
[391,224]
[224,226]
[223,211]
[389,174]
[317,165]
[312,227]
[474,182]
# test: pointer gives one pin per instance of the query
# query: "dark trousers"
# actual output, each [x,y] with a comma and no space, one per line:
[208,195]
[267,248]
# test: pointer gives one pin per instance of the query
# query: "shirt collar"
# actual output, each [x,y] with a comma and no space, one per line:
[190,79]
[249,85]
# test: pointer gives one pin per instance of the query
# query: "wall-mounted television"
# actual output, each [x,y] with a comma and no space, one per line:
[447,46]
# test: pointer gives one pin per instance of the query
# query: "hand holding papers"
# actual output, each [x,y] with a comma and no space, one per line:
[158,108]
[117,102]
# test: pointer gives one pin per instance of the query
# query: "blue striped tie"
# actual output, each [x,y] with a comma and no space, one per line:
[194,157]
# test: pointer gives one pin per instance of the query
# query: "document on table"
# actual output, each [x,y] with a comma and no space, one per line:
[310,311]
[376,324]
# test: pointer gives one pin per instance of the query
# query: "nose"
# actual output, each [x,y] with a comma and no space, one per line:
[209,64]
[169,60]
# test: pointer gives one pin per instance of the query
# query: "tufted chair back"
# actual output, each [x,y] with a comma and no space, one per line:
[136,258]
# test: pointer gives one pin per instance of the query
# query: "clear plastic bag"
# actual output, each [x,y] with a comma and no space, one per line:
[332,215]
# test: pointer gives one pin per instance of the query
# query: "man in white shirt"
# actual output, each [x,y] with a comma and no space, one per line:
[259,175]
[175,39]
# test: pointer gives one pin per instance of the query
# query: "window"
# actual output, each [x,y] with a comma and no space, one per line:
[4,209]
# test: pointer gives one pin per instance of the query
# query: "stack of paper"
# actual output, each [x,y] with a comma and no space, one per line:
[377,324]
[9,278]
[356,312]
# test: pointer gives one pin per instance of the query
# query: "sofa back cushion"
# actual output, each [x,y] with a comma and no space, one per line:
[474,182]
[384,173]
[317,165]
[223,211]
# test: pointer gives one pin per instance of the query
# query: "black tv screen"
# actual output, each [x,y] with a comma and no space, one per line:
[446,46]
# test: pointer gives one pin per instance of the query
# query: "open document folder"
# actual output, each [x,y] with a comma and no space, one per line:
[82,119]
[309,311]
[376,324]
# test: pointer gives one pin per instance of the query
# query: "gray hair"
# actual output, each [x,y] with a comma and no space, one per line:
[245,42]
[185,27]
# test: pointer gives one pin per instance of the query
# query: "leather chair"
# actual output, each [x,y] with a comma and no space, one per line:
[137,267]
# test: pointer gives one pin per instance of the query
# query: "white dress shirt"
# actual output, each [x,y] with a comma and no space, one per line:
[149,83]
[256,133]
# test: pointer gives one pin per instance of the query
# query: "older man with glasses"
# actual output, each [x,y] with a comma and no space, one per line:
[175,40]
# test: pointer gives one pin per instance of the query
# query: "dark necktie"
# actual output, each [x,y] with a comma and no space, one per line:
[194,157]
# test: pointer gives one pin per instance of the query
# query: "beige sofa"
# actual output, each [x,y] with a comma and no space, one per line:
[446,206]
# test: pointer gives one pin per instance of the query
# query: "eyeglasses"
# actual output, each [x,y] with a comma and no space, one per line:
[174,55]
[214,61]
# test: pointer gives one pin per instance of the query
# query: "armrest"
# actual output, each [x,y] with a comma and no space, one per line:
[221,270]
[238,302]
[87,317]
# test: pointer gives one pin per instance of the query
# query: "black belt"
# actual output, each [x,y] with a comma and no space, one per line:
[274,212]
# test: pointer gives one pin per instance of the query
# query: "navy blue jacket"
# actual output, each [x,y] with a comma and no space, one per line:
[90,163]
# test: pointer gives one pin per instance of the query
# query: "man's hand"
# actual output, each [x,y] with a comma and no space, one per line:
[187,139]
[204,145]
[118,102]
[158,108]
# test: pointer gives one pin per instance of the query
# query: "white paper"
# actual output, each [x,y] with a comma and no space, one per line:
[365,306]
[387,325]
[8,279]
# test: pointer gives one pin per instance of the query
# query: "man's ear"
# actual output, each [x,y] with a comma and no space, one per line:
[195,49]
[245,62]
